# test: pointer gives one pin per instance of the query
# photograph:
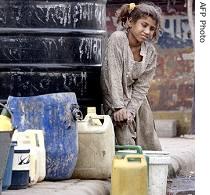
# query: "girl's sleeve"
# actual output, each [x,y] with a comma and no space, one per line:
[112,71]
[141,86]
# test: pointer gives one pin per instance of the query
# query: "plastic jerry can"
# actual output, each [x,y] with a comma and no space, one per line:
[96,147]
[5,119]
[37,140]
[5,123]
[129,175]
[24,139]
[20,168]
[123,150]
[129,166]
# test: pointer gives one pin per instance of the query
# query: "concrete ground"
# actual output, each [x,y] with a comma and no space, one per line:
[65,187]
[181,186]
[182,153]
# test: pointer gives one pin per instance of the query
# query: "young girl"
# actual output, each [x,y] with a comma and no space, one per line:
[129,66]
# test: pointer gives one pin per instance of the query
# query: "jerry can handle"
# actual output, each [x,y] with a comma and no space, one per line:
[133,158]
[104,119]
[97,117]
[101,118]
[129,147]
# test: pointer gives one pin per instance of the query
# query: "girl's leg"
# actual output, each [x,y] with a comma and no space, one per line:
[145,128]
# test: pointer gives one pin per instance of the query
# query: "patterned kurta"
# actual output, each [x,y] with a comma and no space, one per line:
[125,84]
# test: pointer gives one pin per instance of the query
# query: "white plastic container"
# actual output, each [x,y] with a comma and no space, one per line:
[96,147]
[158,171]
[39,143]
[34,139]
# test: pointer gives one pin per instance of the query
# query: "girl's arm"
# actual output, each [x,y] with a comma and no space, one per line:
[112,71]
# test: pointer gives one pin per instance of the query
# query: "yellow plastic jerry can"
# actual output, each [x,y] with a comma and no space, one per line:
[129,175]
[5,119]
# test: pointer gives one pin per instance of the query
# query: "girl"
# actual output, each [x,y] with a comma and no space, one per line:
[129,66]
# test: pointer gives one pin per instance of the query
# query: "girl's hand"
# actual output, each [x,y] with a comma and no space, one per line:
[130,117]
[120,115]
[123,115]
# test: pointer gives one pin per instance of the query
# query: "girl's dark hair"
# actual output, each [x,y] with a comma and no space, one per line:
[140,11]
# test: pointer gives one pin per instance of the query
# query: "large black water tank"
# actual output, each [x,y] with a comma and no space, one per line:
[49,46]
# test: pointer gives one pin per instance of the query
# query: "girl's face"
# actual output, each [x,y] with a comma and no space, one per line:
[143,29]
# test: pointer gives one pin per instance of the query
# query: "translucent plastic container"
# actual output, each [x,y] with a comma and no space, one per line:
[37,140]
[34,140]
[96,147]
[158,171]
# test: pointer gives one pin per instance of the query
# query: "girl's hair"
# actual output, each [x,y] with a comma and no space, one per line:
[135,12]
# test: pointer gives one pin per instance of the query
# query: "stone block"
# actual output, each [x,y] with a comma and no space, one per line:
[166,128]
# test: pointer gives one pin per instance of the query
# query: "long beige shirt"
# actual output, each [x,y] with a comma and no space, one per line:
[125,82]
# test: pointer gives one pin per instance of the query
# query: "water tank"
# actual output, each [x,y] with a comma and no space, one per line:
[49,46]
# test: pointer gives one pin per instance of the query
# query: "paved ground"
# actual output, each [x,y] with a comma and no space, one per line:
[182,153]
[181,186]
[66,187]
[182,163]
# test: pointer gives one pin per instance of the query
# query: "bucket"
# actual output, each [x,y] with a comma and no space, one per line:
[6,182]
[20,168]
[96,147]
[158,171]
[54,114]
[34,140]
[129,175]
